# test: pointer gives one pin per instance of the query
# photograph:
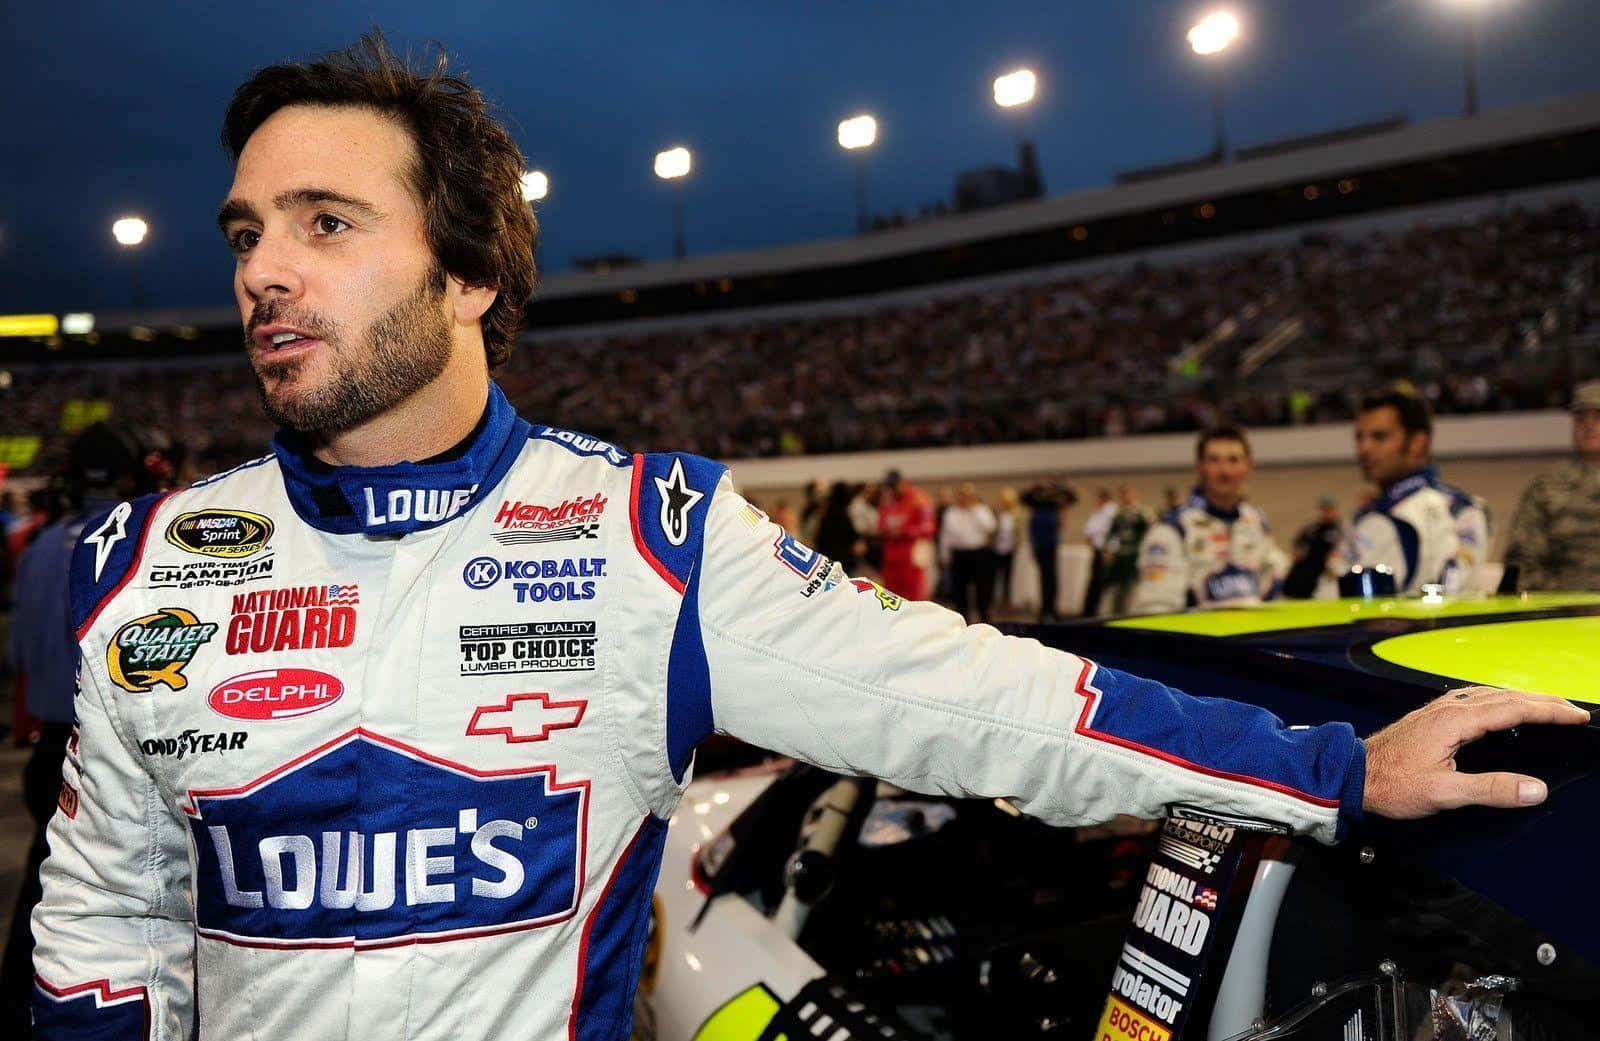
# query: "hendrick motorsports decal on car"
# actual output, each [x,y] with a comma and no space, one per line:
[230,534]
[527,647]
[327,850]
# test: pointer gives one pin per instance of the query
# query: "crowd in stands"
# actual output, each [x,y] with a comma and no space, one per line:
[1480,316]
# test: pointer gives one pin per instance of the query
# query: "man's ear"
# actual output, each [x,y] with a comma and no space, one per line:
[468,304]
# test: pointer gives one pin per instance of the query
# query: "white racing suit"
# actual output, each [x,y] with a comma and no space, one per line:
[1426,530]
[391,752]
[1201,556]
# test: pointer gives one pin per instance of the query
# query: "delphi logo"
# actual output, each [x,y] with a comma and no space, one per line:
[329,851]
[526,522]
[275,694]
[230,534]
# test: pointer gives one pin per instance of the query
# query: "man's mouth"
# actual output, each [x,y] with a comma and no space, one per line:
[274,339]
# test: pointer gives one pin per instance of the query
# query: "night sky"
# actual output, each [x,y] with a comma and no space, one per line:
[113,108]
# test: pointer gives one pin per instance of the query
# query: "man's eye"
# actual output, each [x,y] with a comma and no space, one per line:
[243,240]
[328,224]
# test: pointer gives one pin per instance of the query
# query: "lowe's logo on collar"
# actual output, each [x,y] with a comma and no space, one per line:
[406,505]
[337,849]
[583,444]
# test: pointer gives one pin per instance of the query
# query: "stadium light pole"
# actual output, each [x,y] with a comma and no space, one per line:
[858,134]
[1209,38]
[1470,26]
[130,234]
[673,165]
[1014,92]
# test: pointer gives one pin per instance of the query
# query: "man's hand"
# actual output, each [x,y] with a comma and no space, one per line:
[1411,763]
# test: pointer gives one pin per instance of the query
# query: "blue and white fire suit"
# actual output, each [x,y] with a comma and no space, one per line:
[1200,555]
[391,752]
[1426,530]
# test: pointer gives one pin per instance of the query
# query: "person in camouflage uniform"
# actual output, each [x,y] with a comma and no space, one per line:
[1119,558]
[1555,535]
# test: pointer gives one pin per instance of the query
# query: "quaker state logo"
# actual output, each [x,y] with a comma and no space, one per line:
[154,649]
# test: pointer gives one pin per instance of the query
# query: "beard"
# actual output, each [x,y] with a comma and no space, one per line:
[404,350]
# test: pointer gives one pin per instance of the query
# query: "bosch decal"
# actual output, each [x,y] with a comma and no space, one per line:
[525,717]
[538,581]
[678,501]
[331,849]
[527,647]
[155,648]
[421,504]
[292,619]
[524,523]
[230,534]
[196,574]
[191,742]
[275,694]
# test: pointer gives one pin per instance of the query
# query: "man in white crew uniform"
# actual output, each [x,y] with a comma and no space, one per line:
[378,735]
[1215,548]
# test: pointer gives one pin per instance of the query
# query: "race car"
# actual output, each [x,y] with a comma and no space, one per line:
[795,903]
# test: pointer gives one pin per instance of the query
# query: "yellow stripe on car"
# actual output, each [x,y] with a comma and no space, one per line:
[742,1018]
[1544,655]
[1284,615]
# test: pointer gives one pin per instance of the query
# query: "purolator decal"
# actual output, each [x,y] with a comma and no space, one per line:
[155,648]
[230,534]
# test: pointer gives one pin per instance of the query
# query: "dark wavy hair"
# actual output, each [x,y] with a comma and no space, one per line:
[467,172]
[1224,432]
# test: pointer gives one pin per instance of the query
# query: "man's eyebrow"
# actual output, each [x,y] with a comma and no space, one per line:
[238,209]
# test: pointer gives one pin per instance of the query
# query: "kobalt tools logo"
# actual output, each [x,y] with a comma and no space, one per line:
[525,717]
[523,523]
[155,648]
[297,618]
[399,505]
[527,647]
[230,534]
[331,849]
[538,581]
[275,694]
[191,742]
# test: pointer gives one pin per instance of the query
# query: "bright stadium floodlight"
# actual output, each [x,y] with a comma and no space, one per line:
[1213,33]
[858,132]
[535,185]
[673,163]
[1014,88]
[129,231]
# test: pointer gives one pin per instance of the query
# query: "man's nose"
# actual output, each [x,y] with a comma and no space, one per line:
[271,269]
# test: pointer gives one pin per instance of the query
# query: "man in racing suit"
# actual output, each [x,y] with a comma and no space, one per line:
[1215,548]
[1424,529]
[376,748]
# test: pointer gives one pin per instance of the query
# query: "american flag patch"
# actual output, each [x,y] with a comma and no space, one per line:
[1206,898]
[752,517]
[344,594]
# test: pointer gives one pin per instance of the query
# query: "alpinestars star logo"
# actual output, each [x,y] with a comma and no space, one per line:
[678,500]
[525,717]
[108,534]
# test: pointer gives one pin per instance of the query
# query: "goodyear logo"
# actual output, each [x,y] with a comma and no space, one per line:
[332,850]
[230,534]
[155,648]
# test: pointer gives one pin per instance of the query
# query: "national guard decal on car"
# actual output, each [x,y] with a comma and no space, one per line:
[230,534]
[328,850]
[155,648]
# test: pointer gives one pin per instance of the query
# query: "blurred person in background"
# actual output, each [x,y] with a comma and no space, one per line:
[966,538]
[1215,548]
[906,525]
[1009,522]
[1171,499]
[1316,543]
[784,516]
[811,512]
[1424,529]
[106,464]
[1119,557]
[943,499]
[1555,533]
[836,536]
[1095,530]
[1047,504]
[864,518]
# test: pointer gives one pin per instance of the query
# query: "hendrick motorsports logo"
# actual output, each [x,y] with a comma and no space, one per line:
[230,534]
[524,523]
[492,650]
[328,850]
[155,648]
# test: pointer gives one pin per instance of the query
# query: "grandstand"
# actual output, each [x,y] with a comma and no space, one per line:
[1459,254]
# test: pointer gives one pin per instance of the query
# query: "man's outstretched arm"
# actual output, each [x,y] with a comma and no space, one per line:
[1411,764]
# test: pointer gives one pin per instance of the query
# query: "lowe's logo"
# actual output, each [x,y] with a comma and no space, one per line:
[368,842]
